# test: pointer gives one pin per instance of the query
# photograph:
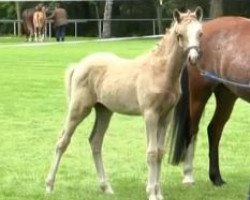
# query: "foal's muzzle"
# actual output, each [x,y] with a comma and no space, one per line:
[193,54]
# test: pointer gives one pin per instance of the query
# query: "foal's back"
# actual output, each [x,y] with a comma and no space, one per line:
[113,79]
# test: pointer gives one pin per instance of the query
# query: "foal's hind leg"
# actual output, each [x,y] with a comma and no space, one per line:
[79,108]
[103,116]
[225,101]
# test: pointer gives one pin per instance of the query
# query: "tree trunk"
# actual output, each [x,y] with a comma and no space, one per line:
[18,14]
[158,7]
[106,31]
[216,8]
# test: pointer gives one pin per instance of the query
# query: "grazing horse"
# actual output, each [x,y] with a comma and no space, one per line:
[148,85]
[28,26]
[39,23]
[223,70]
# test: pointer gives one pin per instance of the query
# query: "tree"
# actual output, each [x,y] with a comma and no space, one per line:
[18,15]
[106,32]
[158,7]
[216,8]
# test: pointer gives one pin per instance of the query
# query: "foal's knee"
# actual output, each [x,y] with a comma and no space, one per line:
[62,144]
[152,156]
[161,153]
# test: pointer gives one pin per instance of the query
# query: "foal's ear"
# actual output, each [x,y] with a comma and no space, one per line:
[199,13]
[177,15]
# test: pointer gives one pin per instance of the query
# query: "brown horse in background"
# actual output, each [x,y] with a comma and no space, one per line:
[224,70]
[28,26]
[148,86]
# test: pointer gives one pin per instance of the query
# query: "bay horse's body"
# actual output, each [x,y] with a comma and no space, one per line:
[27,16]
[148,85]
[226,67]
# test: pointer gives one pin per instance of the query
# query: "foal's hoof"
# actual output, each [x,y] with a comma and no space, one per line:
[188,180]
[48,189]
[106,188]
[153,197]
[159,197]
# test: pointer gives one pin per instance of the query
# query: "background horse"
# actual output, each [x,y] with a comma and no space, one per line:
[39,23]
[148,86]
[226,73]
[34,22]
[28,26]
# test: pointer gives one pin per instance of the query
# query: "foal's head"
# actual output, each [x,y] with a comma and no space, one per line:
[188,32]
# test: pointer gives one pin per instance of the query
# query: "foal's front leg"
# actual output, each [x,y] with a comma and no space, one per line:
[151,120]
[161,135]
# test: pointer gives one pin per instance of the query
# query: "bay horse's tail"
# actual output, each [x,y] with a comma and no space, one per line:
[68,79]
[181,137]
[248,198]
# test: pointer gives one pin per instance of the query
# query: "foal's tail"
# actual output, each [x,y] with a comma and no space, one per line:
[68,79]
[180,136]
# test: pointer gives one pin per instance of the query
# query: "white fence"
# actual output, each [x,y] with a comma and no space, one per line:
[99,23]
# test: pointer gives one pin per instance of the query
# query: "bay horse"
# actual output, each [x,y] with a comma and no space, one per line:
[148,85]
[224,71]
[27,16]
[39,23]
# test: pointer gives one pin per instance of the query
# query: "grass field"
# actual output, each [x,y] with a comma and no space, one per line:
[32,109]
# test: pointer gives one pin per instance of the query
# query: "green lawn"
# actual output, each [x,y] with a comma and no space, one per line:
[32,111]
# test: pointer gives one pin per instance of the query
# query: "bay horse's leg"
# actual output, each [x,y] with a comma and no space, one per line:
[225,101]
[103,116]
[152,119]
[199,95]
[80,107]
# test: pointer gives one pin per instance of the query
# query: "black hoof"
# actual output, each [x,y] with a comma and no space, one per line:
[218,182]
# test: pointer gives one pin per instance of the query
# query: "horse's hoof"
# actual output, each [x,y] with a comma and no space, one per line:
[109,191]
[106,188]
[49,186]
[48,189]
[153,197]
[159,197]
[188,180]
[218,182]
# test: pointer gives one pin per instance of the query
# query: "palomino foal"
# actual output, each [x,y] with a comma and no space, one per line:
[147,85]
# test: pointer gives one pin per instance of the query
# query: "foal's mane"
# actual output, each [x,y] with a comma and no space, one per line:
[166,40]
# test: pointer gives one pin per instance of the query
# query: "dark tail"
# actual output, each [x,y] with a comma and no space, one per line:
[180,136]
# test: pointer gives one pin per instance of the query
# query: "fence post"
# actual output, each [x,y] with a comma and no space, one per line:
[75,29]
[100,28]
[14,28]
[153,27]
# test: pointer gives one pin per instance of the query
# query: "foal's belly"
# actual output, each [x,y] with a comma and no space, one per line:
[124,103]
[120,98]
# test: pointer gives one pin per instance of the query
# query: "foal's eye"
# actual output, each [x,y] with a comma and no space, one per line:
[179,36]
